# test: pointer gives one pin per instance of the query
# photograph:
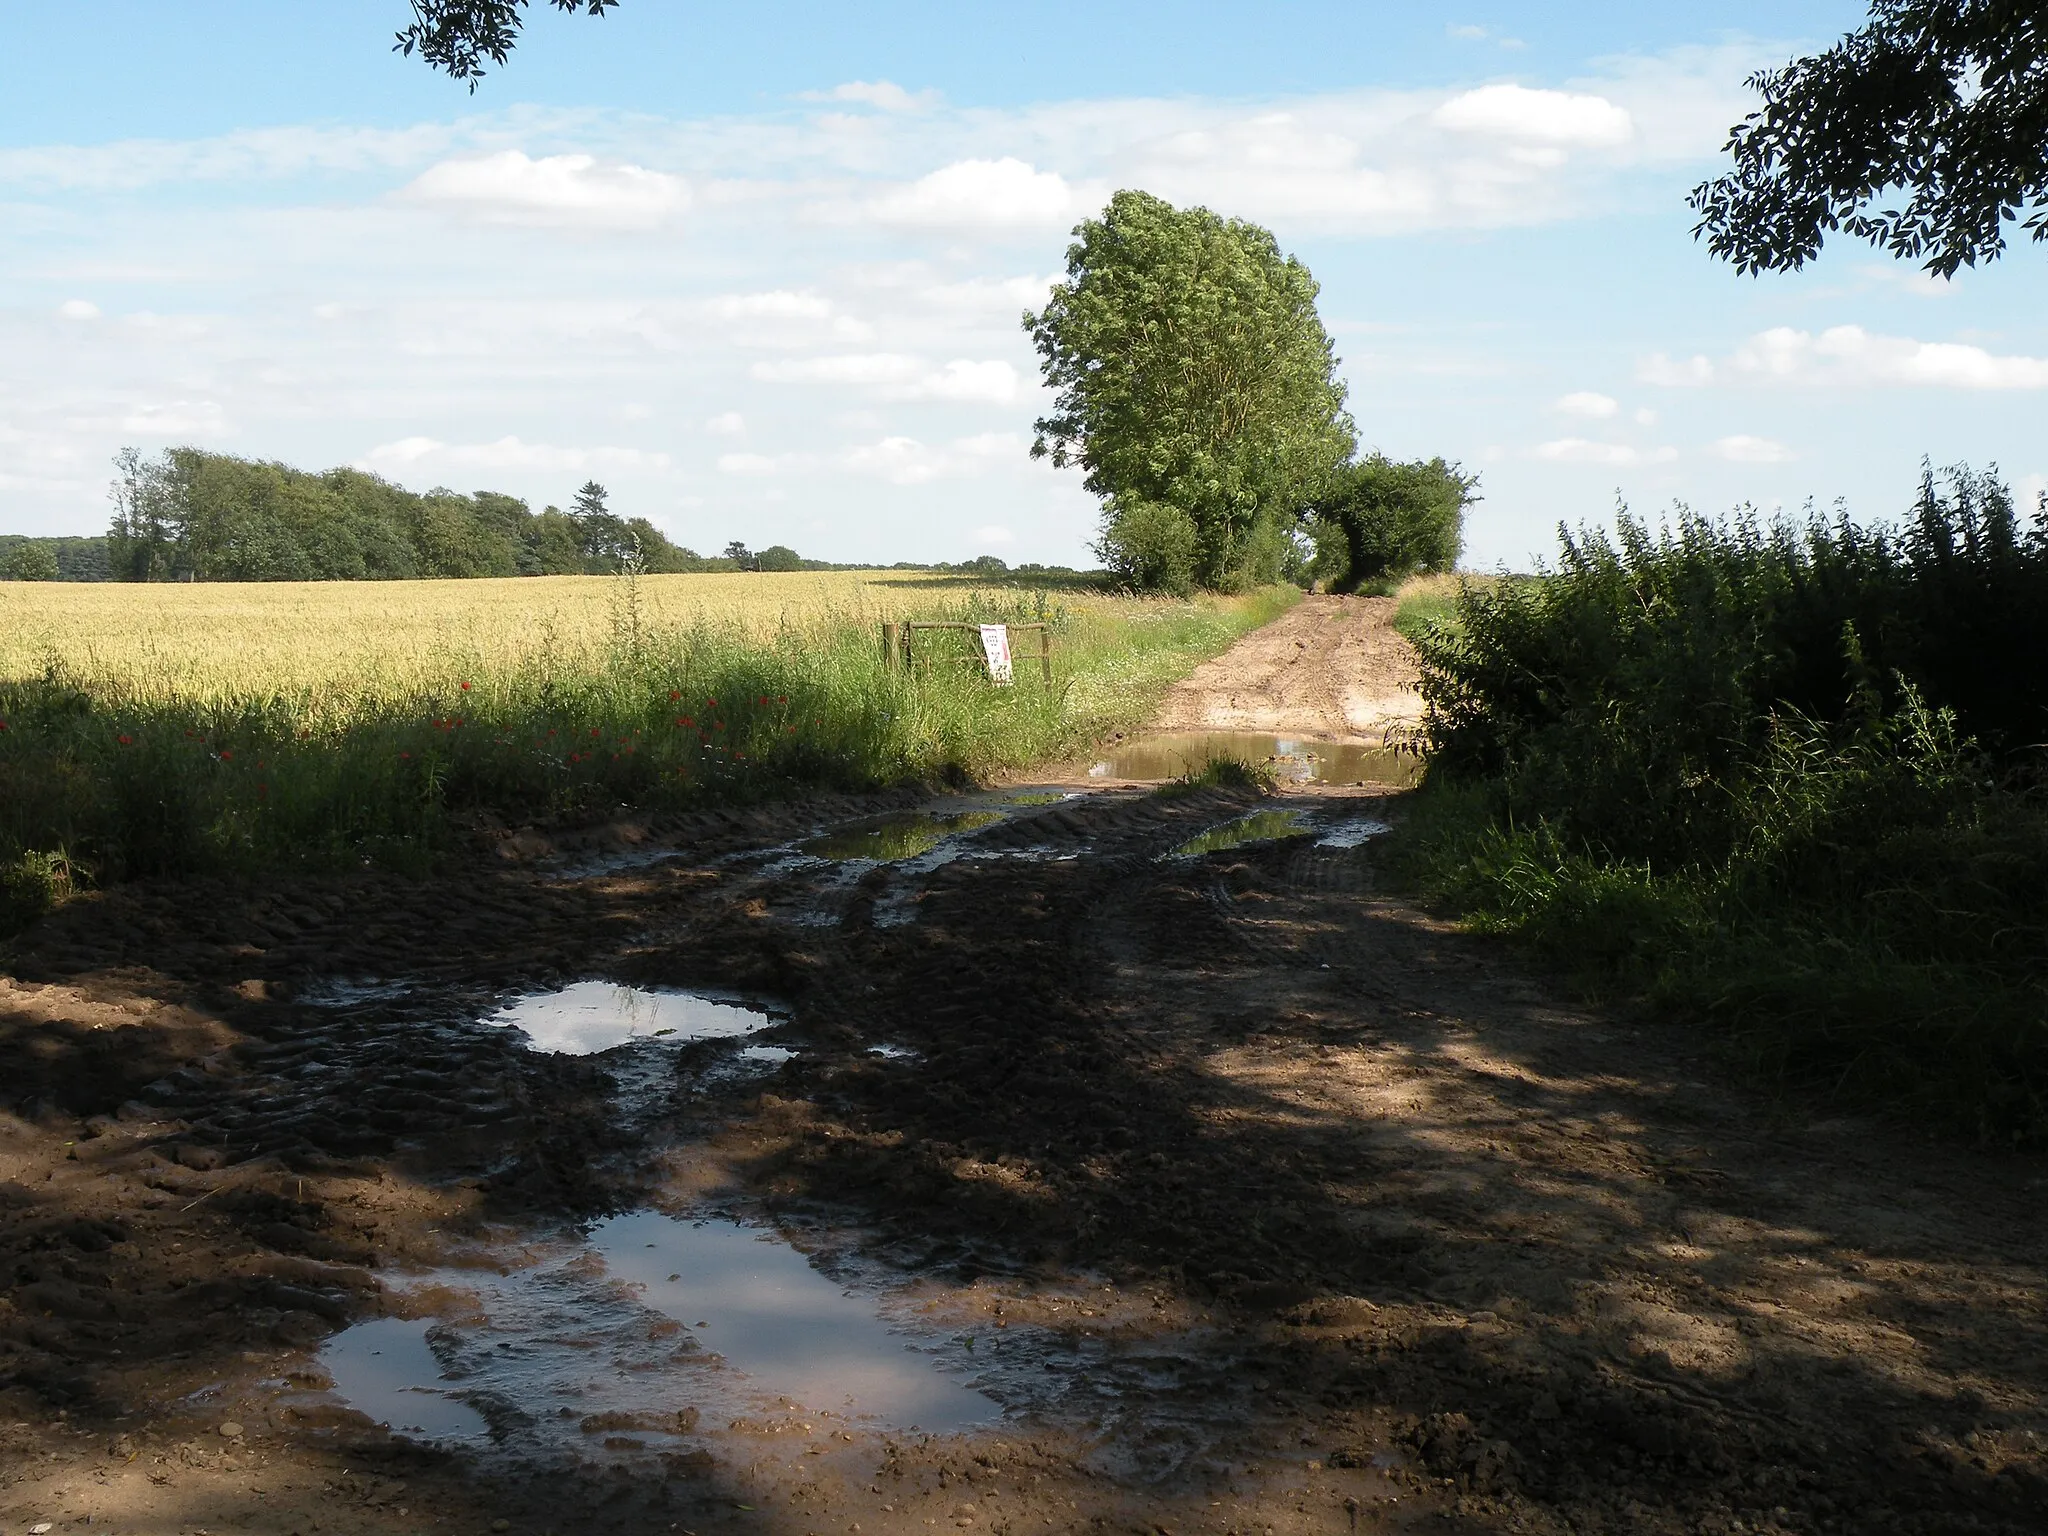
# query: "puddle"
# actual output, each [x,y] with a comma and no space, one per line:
[1260,827]
[642,1330]
[591,1016]
[891,838]
[1353,834]
[384,1368]
[757,1302]
[1292,759]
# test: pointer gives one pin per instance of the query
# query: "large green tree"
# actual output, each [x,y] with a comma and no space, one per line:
[1379,520]
[1924,132]
[1195,385]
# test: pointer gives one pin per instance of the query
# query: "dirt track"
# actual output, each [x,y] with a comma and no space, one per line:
[1327,1217]
[1331,667]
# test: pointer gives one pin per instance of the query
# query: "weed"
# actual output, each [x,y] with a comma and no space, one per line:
[1779,781]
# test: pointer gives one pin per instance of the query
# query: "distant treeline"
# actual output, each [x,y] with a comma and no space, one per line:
[29,559]
[190,515]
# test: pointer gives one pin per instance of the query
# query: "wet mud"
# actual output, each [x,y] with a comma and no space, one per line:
[1067,1172]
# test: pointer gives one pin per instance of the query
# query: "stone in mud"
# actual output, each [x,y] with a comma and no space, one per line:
[199,1159]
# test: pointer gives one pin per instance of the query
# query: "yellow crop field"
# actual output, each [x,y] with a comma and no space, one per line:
[167,727]
[220,639]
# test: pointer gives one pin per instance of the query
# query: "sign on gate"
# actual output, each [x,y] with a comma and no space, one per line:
[995,643]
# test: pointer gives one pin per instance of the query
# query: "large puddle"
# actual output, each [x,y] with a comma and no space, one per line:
[1291,759]
[635,1336]
[1260,827]
[890,838]
[591,1016]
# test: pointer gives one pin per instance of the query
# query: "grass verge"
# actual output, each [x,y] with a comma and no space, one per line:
[1783,784]
[109,773]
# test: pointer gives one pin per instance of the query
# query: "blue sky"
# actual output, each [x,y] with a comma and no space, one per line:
[760,269]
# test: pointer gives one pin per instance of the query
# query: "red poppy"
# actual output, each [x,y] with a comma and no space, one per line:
[405,754]
[465,687]
[593,730]
[262,790]
[718,725]
[687,720]
[763,699]
[227,756]
[711,703]
[127,741]
[782,698]
[673,695]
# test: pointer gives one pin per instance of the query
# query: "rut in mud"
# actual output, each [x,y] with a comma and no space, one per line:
[1245,1197]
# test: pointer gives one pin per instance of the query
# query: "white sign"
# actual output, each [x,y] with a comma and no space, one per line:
[995,641]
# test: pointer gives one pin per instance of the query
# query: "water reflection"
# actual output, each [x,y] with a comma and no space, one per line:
[591,1016]
[1292,759]
[896,837]
[650,1325]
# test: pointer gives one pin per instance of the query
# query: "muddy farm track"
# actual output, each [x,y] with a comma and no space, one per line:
[1222,1192]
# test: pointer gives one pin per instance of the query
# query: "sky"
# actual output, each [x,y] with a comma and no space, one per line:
[760,270]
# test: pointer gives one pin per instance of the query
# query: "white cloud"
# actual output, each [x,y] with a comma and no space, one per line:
[176,419]
[1585,402]
[747,465]
[1467,32]
[777,304]
[78,309]
[1849,356]
[994,534]
[1578,450]
[1745,449]
[981,194]
[726,424]
[506,454]
[563,190]
[899,460]
[1643,416]
[996,382]
[247,154]
[884,94]
[863,368]
[902,460]
[1675,373]
[1562,118]
[898,377]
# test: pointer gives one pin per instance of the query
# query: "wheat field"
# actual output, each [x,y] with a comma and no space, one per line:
[211,641]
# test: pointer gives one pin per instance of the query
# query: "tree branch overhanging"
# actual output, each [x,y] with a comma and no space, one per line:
[459,37]
[1925,133]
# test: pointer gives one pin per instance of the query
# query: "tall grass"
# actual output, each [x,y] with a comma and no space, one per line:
[107,776]
[1782,781]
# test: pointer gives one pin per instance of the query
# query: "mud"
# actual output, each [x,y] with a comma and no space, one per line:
[1332,668]
[1246,1197]
[1295,761]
